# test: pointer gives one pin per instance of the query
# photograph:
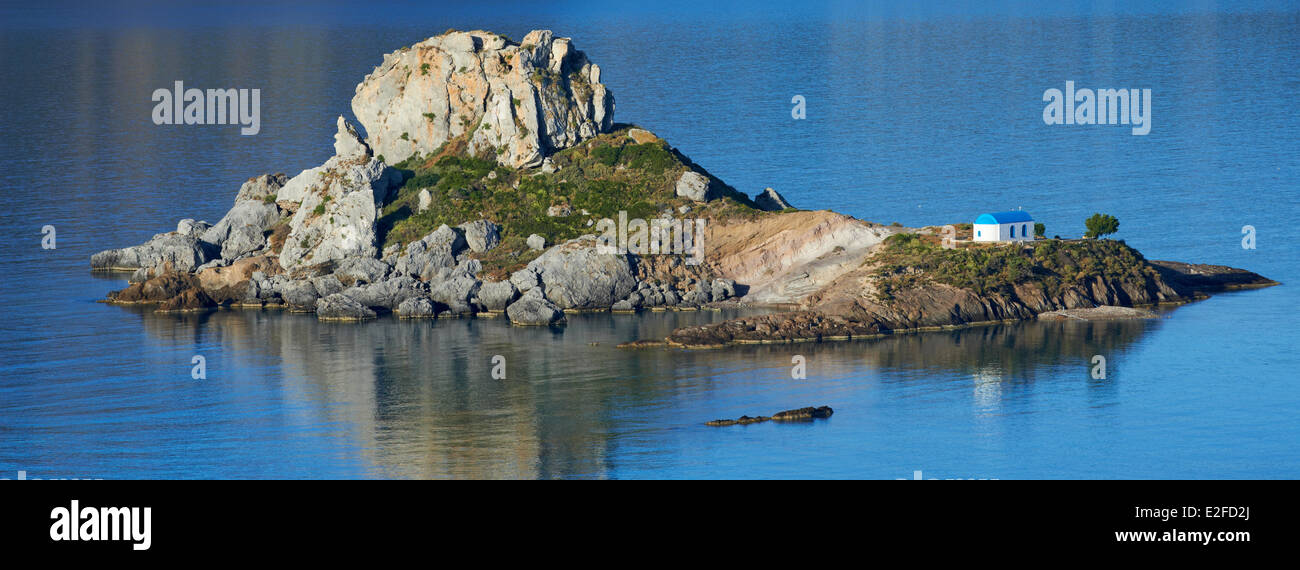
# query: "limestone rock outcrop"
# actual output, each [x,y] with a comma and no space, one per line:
[771,201]
[575,275]
[518,101]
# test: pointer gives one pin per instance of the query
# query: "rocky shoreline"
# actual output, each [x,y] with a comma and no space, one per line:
[507,160]
[314,242]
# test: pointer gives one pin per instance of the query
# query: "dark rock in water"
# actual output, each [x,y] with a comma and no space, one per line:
[155,290]
[339,307]
[171,291]
[804,413]
[809,413]
[1198,279]
[188,300]
[643,344]
[742,420]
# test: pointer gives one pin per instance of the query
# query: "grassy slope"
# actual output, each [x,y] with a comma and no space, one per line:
[604,175]
[910,260]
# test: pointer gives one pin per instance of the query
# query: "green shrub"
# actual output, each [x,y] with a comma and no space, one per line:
[1100,225]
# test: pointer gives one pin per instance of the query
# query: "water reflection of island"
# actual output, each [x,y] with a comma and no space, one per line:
[419,399]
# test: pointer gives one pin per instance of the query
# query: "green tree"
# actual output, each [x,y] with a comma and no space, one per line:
[1101,224]
[1040,230]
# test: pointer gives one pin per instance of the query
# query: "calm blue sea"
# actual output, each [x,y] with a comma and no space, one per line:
[925,114]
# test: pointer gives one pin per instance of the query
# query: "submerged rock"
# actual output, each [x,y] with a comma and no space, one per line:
[809,413]
[804,413]
[339,307]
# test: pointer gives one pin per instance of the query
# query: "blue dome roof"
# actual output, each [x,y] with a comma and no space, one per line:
[1004,217]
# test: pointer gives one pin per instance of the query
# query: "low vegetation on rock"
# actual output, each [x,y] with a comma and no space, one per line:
[910,260]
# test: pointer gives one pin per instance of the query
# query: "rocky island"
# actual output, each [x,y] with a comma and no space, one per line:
[479,189]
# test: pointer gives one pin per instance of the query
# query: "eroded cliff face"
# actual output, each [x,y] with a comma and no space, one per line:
[518,102]
[784,258]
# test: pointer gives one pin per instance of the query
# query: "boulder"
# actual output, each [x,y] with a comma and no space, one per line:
[347,142]
[481,235]
[327,285]
[455,291]
[261,188]
[695,186]
[361,270]
[723,289]
[417,308]
[641,136]
[426,199]
[189,227]
[577,276]
[771,200]
[299,295]
[624,306]
[338,307]
[388,294]
[256,215]
[335,207]
[242,230]
[534,310]
[525,279]
[424,257]
[184,253]
[496,295]
[536,242]
[521,101]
